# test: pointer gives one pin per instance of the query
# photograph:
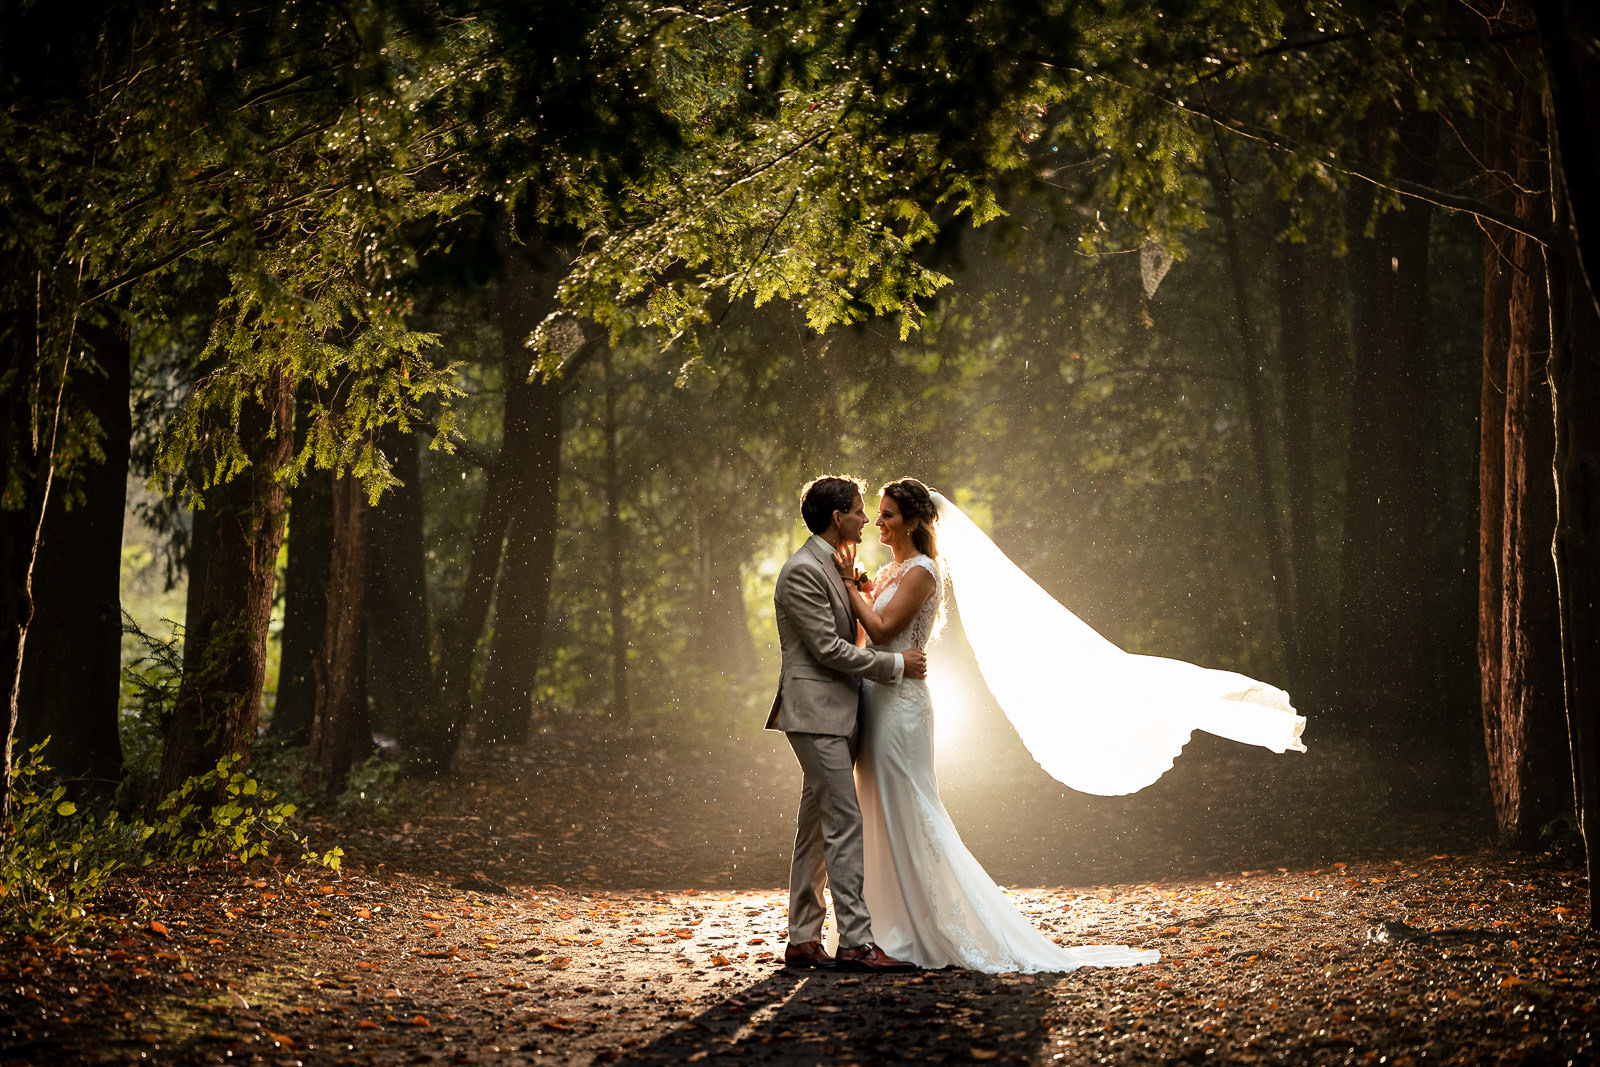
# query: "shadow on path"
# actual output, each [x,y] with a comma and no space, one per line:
[809,1017]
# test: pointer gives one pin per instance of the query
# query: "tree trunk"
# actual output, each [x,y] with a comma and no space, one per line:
[1575,389]
[721,638]
[1253,371]
[71,678]
[1311,616]
[518,519]
[305,592]
[402,684]
[219,698]
[616,554]
[15,606]
[22,524]
[341,712]
[522,599]
[1567,30]
[1519,640]
[1387,692]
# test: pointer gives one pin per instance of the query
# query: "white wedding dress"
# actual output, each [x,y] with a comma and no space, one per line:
[931,902]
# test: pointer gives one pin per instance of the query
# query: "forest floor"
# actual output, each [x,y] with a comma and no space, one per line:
[601,897]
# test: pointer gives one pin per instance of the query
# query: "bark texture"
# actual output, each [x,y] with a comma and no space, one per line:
[305,593]
[71,675]
[1519,641]
[219,699]
[401,685]
[1569,32]
[341,714]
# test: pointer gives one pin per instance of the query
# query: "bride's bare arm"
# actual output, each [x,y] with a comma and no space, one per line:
[915,589]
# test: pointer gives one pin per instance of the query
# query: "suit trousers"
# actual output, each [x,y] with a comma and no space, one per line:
[827,845]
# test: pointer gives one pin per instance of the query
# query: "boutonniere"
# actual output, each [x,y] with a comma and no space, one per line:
[859,578]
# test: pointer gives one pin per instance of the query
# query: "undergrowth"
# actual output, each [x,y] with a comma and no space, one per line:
[58,855]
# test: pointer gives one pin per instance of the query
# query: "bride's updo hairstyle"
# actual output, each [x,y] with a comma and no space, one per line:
[916,502]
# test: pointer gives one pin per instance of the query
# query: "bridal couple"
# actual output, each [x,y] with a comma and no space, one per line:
[906,892]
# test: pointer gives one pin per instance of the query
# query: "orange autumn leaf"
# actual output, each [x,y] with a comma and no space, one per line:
[720,960]
[560,963]
[157,926]
[419,1020]
[366,1024]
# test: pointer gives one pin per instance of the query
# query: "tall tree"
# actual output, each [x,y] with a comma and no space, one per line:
[1251,365]
[219,696]
[1384,657]
[402,684]
[305,588]
[339,730]
[1570,37]
[616,547]
[1519,634]
[71,681]
[1296,360]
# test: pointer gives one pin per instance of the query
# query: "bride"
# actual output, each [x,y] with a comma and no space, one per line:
[930,900]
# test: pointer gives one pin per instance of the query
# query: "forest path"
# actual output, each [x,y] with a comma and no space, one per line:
[630,936]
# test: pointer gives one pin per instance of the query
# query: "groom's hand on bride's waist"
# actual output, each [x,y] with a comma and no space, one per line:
[916,663]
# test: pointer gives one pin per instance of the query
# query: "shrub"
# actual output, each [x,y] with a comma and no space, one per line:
[57,857]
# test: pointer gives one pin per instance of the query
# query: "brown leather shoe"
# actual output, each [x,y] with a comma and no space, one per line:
[808,954]
[870,957]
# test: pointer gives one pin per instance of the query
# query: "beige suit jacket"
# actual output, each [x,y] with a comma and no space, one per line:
[819,691]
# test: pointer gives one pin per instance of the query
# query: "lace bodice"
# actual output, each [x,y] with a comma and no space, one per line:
[887,583]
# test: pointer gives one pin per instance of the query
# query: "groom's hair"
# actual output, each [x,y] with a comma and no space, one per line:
[822,496]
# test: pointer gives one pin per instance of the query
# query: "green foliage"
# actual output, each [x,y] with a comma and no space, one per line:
[377,791]
[1563,837]
[149,693]
[56,857]
[225,812]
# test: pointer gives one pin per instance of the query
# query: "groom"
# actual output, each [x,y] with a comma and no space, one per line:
[819,694]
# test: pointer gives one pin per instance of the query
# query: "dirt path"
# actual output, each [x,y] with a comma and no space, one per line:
[631,933]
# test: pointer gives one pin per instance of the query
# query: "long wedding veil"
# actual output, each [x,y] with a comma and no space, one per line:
[1096,718]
